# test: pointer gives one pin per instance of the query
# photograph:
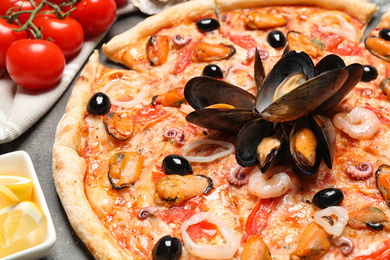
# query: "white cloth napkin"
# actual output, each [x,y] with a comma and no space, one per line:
[20,108]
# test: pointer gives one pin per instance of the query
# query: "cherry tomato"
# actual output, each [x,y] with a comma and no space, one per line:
[4,6]
[67,33]
[96,16]
[8,36]
[120,3]
[35,64]
[23,5]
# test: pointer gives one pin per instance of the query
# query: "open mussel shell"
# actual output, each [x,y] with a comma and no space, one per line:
[382,176]
[223,119]
[249,139]
[328,63]
[326,135]
[378,46]
[304,146]
[259,72]
[355,73]
[203,91]
[305,98]
[291,63]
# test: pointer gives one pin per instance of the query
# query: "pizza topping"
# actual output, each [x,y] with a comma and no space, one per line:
[175,164]
[99,104]
[145,212]
[180,41]
[273,183]
[363,171]
[157,49]
[172,190]
[342,218]
[382,176]
[329,62]
[207,24]
[384,85]
[213,52]
[124,169]
[212,70]
[207,150]
[225,251]
[370,217]
[276,39]
[176,134]
[255,248]
[335,23]
[313,243]
[370,73]
[302,42]
[378,46]
[237,176]
[345,243]
[262,52]
[385,34]
[360,123]
[173,98]
[167,247]
[257,20]
[119,125]
[328,197]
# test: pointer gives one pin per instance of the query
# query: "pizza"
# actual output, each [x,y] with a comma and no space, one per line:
[240,130]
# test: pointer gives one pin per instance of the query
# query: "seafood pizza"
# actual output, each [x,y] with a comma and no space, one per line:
[241,130]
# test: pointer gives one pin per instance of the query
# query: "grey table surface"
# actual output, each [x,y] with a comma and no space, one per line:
[38,143]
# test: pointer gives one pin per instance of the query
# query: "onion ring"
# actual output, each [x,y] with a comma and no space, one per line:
[193,145]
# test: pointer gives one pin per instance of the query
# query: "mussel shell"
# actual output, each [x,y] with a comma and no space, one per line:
[249,138]
[309,170]
[370,40]
[291,63]
[203,91]
[328,63]
[326,135]
[355,74]
[306,98]
[259,73]
[229,120]
[382,176]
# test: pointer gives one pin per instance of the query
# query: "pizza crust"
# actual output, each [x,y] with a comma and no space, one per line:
[69,169]
[385,21]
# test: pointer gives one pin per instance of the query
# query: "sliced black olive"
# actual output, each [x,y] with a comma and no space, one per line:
[276,39]
[375,226]
[99,104]
[369,73]
[328,197]
[207,24]
[213,70]
[176,164]
[385,34]
[167,248]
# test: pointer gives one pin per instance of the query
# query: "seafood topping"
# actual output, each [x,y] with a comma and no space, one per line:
[262,20]
[157,49]
[213,52]
[119,125]
[382,176]
[363,171]
[370,217]
[167,247]
[379,46]
[384,85]
[180,41]
[345,243]
[255,248]
[328,197]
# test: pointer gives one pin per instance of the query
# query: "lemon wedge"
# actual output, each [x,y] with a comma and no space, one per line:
[21,187]
[18,220]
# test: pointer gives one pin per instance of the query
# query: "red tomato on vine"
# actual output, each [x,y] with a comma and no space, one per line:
[67,33]
[8,36]
[35,64]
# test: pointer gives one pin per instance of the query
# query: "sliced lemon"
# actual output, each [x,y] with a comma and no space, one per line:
[18,220]
[22,187]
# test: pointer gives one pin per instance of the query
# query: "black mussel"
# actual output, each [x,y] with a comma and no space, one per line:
[208,24]
[119,125]
[384,85]
[328,197]
[371,217]
[369,73]
[167,248]
[99,104]
[382,176]
[124,169]
[329,62]
[176,164]
[213,70]
[375,226]
[259,73]
[385,34]
[276,39]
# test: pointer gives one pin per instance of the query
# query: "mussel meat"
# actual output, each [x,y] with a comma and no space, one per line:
[213,52]
[119,125]
[378,46]
[302,42]
[382,176]
[384,85]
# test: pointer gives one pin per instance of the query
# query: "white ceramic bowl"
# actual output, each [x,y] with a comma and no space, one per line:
[40,242]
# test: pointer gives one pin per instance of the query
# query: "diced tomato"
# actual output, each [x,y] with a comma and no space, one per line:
[244,41]
[382,253]
[381,118]
[184,58]
[148,113]
[347,48]
[258,218]
[157,175]
[203,229]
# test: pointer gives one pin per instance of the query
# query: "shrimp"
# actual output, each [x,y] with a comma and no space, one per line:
[273,183]
[360,123]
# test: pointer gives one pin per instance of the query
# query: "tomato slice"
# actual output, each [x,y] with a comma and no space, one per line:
[202,230]
[382,253]
[244,41]
[184,58]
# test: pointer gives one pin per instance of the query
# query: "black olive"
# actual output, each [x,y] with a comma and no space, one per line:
[213,70]
[276,39]
[369,73]
[167,248]
[385,34]
[99,104]
[328,197]
[175,164]
[375,226]
[207,24]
